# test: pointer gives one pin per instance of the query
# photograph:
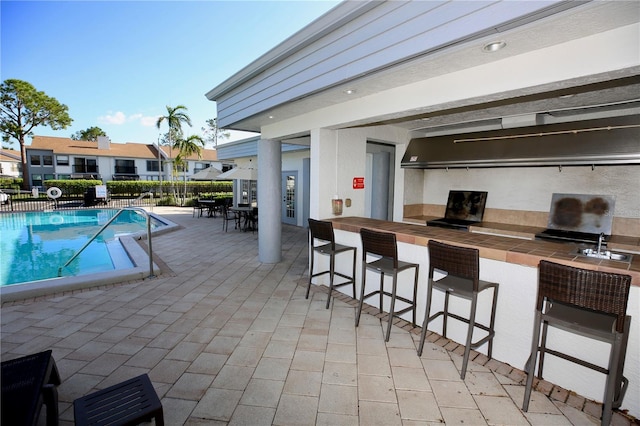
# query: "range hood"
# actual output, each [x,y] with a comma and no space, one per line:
[603,141]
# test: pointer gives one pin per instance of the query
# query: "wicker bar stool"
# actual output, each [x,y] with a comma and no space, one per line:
[383,246]
[462,268]
[323,231]
[589,303]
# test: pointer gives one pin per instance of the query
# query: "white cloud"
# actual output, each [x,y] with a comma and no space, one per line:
[120,117]
[117,118]
[148,121]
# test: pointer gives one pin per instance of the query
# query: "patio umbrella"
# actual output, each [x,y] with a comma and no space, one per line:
[210,173]
[239,173]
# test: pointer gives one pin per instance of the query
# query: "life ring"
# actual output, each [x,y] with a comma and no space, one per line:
[56,219]
[54,192]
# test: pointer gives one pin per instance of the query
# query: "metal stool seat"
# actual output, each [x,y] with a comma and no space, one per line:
[383,246]
[462,267]
[589,303]
[323,231]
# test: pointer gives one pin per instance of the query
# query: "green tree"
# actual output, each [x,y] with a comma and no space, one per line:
[212,133]
[175,117]
[187,147]
[90,134]
[22,108]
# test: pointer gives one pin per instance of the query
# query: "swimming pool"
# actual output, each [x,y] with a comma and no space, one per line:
[34,245]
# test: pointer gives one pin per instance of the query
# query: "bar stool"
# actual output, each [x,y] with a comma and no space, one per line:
[589,303]
[383,246]
[462,268]
[323,231]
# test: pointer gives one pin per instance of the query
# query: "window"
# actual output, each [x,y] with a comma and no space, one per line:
[64,176]
[201,166]
[152,166]
[125,167]
[36,180]
[85,165]
[35,160]
[48,177]
[62,160]
[47,160]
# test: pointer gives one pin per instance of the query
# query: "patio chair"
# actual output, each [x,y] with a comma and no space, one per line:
[198,208]
[29,382]
[229,215]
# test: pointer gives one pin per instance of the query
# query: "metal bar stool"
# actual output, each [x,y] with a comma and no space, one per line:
[383,246]
[462,268]
[589,303]
[323,232]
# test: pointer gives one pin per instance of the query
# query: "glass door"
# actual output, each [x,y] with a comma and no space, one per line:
[289,186]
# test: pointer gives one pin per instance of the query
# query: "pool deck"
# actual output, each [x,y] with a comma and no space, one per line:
[226,339]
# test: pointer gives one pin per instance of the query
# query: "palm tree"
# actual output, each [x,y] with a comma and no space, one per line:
[174,118]
[192,145]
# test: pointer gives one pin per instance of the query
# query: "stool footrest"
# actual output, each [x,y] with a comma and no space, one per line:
[386,293]
[126,403]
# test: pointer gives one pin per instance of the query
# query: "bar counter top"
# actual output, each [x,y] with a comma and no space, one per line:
[511,244]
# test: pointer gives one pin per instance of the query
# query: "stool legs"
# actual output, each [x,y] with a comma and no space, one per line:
[469,344]
[332,273]
[393,295]
[392,307]
[364,279]
[425,323]
[531,363]
[313,257]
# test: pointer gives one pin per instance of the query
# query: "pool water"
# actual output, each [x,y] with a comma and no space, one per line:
[34,245]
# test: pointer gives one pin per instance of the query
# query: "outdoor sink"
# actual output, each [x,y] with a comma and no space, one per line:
[604,254]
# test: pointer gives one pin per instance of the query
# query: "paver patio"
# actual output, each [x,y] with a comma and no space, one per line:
[228,340]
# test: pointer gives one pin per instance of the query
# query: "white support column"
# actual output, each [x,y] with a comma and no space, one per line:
[269,201]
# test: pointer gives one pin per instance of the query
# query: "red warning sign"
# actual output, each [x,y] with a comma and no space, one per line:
[358,183]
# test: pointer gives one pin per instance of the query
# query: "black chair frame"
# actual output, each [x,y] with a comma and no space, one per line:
[228,216]
[383,246]
[322,231]
[462,268]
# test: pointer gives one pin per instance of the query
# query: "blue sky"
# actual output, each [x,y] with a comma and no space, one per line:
[117,64]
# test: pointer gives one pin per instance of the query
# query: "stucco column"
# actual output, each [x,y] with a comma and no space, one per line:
[269,201]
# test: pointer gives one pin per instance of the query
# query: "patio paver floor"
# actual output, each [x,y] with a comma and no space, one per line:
[228,340]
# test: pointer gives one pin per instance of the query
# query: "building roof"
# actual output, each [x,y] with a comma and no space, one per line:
[426,67]
[205,154]
[9,155]
[127,150]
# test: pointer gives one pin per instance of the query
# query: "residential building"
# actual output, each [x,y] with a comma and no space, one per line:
[10,163]
[63,158]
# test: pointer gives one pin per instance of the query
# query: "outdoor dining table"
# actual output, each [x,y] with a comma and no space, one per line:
[210,205]
[247,214]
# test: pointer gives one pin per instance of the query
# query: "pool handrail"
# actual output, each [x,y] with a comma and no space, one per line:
[141,196]
[138,209]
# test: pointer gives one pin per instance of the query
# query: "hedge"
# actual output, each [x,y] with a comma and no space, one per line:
[133,188]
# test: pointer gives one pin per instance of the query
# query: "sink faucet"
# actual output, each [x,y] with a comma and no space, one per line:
[601,242]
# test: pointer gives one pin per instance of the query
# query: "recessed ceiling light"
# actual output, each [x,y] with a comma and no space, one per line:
[568,95]
[271,117]
[350,91]
[494,46]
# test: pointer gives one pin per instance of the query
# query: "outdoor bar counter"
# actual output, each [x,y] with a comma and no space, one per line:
[512,262]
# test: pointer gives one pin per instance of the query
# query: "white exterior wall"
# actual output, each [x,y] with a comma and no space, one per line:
[530,188]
